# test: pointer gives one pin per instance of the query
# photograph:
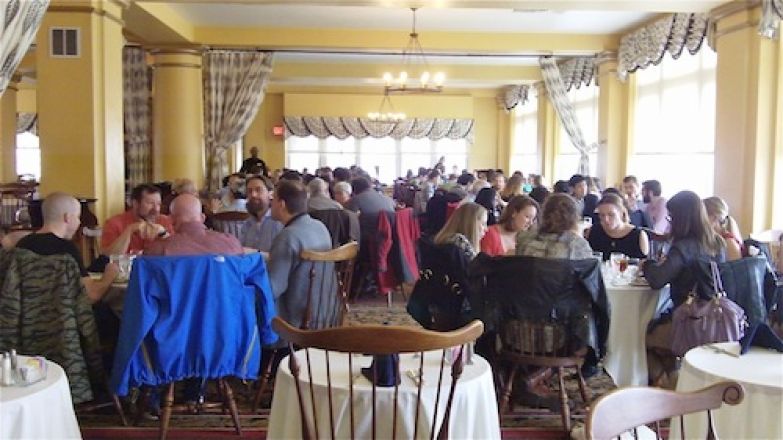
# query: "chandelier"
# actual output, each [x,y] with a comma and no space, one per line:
[413,59]
[386,113]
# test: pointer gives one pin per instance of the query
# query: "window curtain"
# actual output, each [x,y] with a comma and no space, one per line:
[771,14]
[345,126]
[512,96]
[19,21]
[234,84]
[136,112]
[578,71]
[556,90]
[648,44]
[27,122]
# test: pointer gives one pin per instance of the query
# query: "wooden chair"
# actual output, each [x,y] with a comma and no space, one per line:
[628,409]
[89,243]
[230,222]
[374,340]
[323,310]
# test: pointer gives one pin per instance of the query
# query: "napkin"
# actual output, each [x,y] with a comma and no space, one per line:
[760,335]
[386,365]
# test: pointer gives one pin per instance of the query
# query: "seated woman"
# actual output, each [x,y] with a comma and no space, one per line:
[693,241]
[513,187]
[489,199]
[465,229]
[558,236]
[520,214]
[615,233]
[724,225]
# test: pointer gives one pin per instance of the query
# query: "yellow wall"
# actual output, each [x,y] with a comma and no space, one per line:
[271,148]
[25,99]
[8,106]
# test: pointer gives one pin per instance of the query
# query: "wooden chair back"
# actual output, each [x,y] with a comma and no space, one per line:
[375,340]
[230,222]
[323,308]
[627,409]
[14,201]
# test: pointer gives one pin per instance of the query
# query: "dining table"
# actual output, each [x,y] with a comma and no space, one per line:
[474,411]
[42,410]
[759,371]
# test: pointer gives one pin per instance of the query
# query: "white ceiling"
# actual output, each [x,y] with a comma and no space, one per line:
[428,19]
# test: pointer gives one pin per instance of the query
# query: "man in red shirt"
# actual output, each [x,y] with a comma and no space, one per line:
[132,230]
[192,237]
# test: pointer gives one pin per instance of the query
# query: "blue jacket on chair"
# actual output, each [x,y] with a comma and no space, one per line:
[193,316]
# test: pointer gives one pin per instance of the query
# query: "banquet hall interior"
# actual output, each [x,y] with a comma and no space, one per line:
[102,100]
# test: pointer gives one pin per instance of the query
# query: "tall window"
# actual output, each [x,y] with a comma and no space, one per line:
[674,123]
[524,154]
[28,155]
[585,102]
[384,158]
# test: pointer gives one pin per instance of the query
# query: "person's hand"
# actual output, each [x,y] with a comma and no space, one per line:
[110,272]
[151,231]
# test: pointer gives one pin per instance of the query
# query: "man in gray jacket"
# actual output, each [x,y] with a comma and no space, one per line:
[288,274]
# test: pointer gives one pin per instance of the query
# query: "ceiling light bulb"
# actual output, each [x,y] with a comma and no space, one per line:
[387,78]
[425,78]
[403,77]
[439,79]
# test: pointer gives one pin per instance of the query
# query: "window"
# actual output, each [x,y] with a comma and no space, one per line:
[524,153]
[28,155]
[674,123]
[384,158]
[585,102]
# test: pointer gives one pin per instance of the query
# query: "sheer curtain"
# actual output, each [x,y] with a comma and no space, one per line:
[136,112]
[19,22]
[234,84]
[585,103]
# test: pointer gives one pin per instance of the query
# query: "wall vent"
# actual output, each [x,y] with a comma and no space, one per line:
[64,42]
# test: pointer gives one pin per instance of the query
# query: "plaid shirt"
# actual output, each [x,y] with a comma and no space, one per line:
[567,245]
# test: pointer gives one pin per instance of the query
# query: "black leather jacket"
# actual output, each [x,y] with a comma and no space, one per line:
[516,287]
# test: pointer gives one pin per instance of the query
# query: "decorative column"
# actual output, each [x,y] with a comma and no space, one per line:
[8,132]
[79,104]
[614,122]
[748,152]
[548,134]
[178,115]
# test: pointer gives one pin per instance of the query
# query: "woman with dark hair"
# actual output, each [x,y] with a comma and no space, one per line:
[614,232]
[488,198]
[694,241]
[558,235]
[520,214]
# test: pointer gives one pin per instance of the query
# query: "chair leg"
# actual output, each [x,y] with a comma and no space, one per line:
[228,396]
[564,411]
[120,411]
[266,377]
[583,389]
[507,389]
[165,414]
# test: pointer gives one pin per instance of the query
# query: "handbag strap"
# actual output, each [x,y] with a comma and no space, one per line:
[717,283]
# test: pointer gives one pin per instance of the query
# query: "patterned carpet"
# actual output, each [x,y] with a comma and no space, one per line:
[523,422]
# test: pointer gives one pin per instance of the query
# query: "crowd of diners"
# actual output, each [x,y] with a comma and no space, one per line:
[489,212]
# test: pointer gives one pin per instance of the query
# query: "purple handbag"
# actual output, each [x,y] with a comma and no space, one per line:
[697,322]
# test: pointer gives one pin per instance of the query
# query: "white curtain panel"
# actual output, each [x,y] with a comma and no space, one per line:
[512,96]
[565,111]
[771,14]
[27,122]
[577,71]
[136,112]
[342,127]
[19,22]
[234,84]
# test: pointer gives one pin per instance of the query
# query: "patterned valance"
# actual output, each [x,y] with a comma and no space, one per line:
[512,96]
[344,126]
[27,122]
[577,71]
[771,14]
[648,44]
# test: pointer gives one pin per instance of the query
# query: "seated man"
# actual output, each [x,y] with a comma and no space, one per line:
[231,197]
[132,230]
[192,237]
[288,276]
[319,196]
[260,229]
[61,217]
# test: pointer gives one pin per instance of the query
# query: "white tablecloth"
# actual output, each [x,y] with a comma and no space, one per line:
[760,371]
[43,410]
[474,413]
[632,308]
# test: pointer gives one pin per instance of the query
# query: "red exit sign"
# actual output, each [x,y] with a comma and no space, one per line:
[277,130]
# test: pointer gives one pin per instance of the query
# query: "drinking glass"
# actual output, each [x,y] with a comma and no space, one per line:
[616,258]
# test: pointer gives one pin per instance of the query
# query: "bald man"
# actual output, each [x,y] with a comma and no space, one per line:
[192,237]
[61,217]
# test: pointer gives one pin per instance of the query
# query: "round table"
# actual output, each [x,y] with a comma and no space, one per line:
[631,309]
[760,372]
[474,412]
[43,410]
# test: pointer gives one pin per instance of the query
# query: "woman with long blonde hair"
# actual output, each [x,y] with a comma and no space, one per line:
[724,225]
[465,228]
